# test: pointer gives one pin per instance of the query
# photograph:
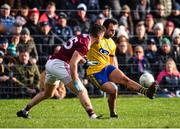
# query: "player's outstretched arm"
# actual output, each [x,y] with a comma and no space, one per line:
[75,59]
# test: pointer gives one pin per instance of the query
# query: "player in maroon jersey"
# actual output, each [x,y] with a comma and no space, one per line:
[63,66]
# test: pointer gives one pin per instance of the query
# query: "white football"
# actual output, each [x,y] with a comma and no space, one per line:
[146,79]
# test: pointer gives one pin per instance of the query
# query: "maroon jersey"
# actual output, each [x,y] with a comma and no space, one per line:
[79,43]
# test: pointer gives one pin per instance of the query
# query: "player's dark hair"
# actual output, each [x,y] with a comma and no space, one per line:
[96,29]
[110,21]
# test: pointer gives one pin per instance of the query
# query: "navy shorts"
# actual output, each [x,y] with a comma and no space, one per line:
[101,77]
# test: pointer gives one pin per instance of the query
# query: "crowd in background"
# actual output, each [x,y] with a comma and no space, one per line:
[147,39]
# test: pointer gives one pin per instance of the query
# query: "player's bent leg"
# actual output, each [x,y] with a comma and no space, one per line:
[84,98]
[111,89]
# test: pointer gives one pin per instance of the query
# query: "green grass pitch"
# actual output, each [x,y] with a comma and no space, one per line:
[134,112]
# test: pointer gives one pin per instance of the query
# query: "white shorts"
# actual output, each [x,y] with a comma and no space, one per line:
[57,70]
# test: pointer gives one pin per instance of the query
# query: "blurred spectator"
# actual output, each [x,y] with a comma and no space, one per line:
[81,18]
[151,55]
[16,28]
[158,33]
[27,75]
[27,42]
[93,9]
[4,77]
[4,44]
[149,24]
[50,14]
[167,6]
[142,8]
[106,12]
[77,30]
[140,37]
[122,31]
[164,52]
[22,16]
[159,14]
[137,64]
[62,30]
[126,19]
[32,23]
[68,5]
[3,47]
[45,43]
[169,80]
[176,46]
[175,15]
[100,19]
[5,18]
[13,45]
[116,7]
[123,52]
[168,31]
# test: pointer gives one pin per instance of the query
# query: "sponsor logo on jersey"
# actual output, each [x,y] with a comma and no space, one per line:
[103,51]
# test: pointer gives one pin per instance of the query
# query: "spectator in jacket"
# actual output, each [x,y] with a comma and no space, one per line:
[3,47]
[137,64]
[13,45]
[168,31]
[27,42]
[32,23]
[169,79]
[159,14]
[140,37]
[50,14]
[16,28]
[151,55]
[62,30]
[27,75]
[81,18]
[158,33]
[100,19]
[164,53]
[5,18]
[5,79]
[176,46]
[45,43]
[126,19]
[142,7]
[123,52]
[22,16]
[149,24]
[175,14]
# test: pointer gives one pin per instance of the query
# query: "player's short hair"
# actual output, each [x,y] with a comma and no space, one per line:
[96,29]
[110,21]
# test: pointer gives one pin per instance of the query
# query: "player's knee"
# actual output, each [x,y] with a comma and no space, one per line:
[115,89]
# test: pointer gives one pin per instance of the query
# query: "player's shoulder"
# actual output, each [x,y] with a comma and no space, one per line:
[108,41]
[83,39]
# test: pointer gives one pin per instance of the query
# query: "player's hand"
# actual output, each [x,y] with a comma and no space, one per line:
[89,63]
